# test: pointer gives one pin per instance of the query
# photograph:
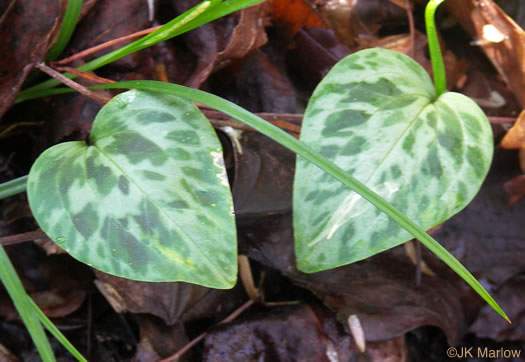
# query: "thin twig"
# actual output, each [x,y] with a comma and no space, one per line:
[88,76]
[196,340]
[499,120]
[72,84]
[283,121]
[105,45]
[16,125]
[22,238]
[411,27]
[418,263]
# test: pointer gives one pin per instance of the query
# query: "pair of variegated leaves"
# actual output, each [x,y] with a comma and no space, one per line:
[147,198]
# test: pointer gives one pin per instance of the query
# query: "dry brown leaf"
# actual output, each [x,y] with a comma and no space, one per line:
[515,137]
[515,189]
[295,14]
[28,30]
[359,20]
[247,36]
[502,40]
[173,302]
[522,159]
[455,68]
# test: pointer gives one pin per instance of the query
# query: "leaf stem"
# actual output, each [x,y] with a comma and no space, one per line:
[438,67]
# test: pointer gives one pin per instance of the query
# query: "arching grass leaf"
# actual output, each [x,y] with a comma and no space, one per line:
[147,199]
[376,116]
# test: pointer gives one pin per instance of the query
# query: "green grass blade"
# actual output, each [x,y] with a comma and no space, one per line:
[20,299]
[303,150]
[66,30]
[201,14]
[13,187]
[55,332]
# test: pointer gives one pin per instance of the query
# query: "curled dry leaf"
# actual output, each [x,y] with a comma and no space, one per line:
[511,295]
[355,21]
[502,40]
[515,137]
[259,86]
[297,333]
[261,168]
[224,41]
[27,32]
[108,20]
[57,284]
[292,15]
[158,340]
[380,290]
[515,189]
[173,302]
[455,68]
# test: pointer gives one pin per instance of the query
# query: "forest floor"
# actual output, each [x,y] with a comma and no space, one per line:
[268,59]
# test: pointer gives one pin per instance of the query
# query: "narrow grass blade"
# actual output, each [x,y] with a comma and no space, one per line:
[20,299]
[13,187]
[303,150]
[203,13]
[55,332]
[66,30]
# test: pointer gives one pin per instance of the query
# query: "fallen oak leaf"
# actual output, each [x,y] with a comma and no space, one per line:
[515,137]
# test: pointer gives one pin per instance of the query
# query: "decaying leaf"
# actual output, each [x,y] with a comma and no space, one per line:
[511,294]
[515,189]
[158,340]
[454,67]
[515,137]
[173,302]
[27,33]
[502,40]
[224,41]
[295,14]
[357,21]
[380,290]
[300,333]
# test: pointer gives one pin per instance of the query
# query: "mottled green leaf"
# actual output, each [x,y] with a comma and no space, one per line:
[146,199]
[375,115]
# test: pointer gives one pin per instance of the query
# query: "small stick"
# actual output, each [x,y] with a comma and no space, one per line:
[105,45]
[79,88]
[87,76]
[280,120]
[418,263]
[499,120]
[22,238]
[16,125]
[411,27]
[196,340]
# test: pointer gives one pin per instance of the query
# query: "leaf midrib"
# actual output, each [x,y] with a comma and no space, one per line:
[326,228]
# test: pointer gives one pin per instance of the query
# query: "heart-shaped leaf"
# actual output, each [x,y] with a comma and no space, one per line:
[376,115]
[147,199]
